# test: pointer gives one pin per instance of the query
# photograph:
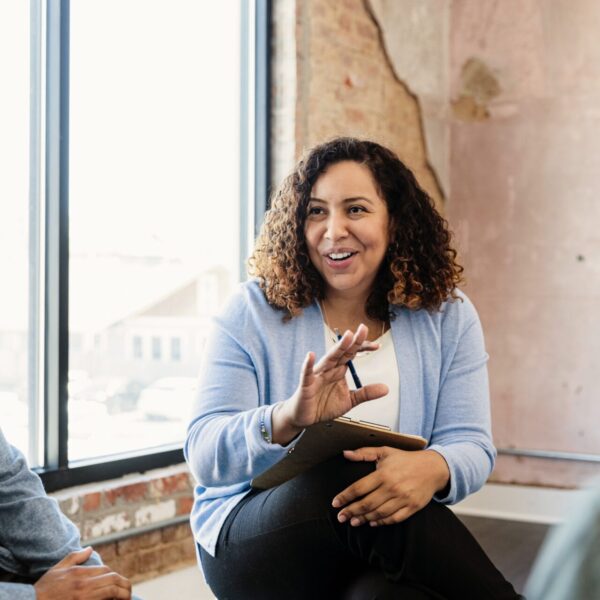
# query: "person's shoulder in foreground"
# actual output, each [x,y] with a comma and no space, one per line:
[40,552]
[568,565]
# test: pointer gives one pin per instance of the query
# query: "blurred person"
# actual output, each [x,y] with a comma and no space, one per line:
[41,557]
[568,564]
[351,244]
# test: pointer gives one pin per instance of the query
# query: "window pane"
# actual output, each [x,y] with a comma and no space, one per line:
[14,223]
[154,211]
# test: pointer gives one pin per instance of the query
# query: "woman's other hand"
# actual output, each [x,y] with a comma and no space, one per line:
[402,484]
[323,394]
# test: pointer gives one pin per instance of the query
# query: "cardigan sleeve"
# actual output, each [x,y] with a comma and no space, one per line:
[462,429]
[228,438]
[34,534]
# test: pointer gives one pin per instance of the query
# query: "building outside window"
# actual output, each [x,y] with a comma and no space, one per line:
[140,157]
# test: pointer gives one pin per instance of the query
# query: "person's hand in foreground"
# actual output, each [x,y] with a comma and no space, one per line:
[68,580]
[402,484]
[323,394]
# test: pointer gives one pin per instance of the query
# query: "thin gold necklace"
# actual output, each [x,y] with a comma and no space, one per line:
[335,331]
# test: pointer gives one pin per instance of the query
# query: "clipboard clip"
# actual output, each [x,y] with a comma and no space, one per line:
[377,425]
[361,422]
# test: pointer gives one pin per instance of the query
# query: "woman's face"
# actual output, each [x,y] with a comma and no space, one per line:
[347,229]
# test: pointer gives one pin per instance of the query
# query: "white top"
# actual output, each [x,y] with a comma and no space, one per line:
[379,366]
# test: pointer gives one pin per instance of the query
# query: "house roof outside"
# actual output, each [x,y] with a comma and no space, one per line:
[105,290]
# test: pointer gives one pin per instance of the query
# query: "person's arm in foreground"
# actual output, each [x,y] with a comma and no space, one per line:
[38,539]
[68,580]
[459,458]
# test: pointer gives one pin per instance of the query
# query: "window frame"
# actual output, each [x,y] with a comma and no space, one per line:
[58,472]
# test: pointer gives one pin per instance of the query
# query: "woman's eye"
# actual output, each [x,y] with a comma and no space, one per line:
[315,210]
[355,210]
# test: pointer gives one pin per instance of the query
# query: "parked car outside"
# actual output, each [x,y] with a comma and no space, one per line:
[168,398]
[122,395]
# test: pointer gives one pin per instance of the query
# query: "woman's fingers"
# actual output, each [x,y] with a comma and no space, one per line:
[367,453]
[359,489]
[346,349]
[369,347]
[400,515]
[333,356]
[392,511]
[378,503]
[368,392]
[386,510]
[307,373]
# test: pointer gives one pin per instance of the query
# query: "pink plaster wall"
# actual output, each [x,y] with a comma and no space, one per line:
[524,201]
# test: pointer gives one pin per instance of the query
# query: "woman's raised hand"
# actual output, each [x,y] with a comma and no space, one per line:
[322,394]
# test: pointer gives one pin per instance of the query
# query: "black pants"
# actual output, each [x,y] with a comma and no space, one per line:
[286,542]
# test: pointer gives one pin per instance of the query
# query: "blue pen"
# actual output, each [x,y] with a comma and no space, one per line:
[355,378]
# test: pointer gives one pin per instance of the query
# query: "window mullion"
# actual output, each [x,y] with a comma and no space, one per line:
[56,238]
[262,107]
[35,212]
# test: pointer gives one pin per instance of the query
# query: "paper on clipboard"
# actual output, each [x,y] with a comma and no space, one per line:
[323,441]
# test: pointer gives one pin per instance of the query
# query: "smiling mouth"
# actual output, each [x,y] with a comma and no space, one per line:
[339,256]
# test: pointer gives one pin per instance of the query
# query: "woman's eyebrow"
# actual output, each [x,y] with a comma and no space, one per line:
[345,200]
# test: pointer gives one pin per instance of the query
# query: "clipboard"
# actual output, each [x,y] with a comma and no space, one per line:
[323,441]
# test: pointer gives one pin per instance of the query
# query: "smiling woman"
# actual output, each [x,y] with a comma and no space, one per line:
[351,243]
[347,231]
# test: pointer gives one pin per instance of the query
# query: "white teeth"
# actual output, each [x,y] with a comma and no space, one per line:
[340,256]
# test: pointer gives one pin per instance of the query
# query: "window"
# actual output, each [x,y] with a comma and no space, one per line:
[176,349]
[156,348]
[18,233]
[138,350]
[145,161]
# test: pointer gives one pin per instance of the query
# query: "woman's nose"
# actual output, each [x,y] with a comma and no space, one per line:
[336,227]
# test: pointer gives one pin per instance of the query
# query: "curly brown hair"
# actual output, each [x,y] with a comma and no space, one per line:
[419,270]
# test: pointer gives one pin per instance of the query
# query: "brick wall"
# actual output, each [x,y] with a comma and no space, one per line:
[344,85]
[148,555]
[139,524]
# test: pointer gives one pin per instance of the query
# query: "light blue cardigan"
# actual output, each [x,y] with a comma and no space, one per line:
[252,360]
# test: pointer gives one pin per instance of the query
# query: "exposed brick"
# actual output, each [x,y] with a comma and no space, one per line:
[345,81]
[137,542]
[107,552]
[176,532]
[187,549]
[127,493]
[367,30]
[121,509]
[345,23]
[169,485]
[92,501]
[352,6]
[105,525]
[152,559]
[354,115]
[70,506]
[155,513]
[127,565]
[184,505]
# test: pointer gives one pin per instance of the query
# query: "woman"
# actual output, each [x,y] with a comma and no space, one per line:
[350,244]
